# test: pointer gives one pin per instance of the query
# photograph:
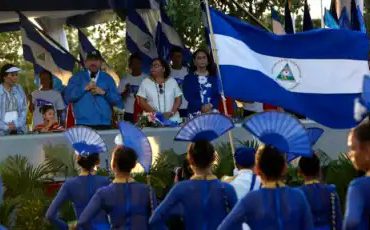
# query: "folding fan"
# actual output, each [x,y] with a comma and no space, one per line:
[313,134]
[205,127]
[134,138]
[85,141]
[280,130]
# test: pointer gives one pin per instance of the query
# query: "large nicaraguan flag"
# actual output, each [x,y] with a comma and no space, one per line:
[40,51]
[317,79]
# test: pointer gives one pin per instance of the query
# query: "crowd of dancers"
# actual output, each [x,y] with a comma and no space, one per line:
[254,198]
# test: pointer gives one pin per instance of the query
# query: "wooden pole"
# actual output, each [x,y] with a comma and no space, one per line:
[215,57]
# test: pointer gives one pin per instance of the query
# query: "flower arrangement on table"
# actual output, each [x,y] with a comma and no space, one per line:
[157,119]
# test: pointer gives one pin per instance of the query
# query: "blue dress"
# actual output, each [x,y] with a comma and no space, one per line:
[357,214]
[128,205]
[203,203]
[322,199]
[92,109]
[198,94]
[79,191]
[280,208]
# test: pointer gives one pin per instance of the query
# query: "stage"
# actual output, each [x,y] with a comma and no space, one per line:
[34,146]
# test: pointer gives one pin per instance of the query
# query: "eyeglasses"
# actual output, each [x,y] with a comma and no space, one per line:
[156,66]
[160,88]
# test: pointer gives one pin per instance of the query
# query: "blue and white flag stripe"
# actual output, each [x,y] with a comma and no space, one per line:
[318,80]
[150,34]
[40,51]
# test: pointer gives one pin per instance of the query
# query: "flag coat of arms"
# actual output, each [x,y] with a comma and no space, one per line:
[317,73]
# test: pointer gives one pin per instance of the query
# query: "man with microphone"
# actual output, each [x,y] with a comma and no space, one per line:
[93,94]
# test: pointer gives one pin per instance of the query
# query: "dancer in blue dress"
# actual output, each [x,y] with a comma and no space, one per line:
[275,206]
[204,200]
[322,198]
[79,190]
[357,214]
[128,204]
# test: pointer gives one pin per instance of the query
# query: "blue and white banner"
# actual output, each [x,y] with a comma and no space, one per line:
[317,79]
[40,51]
[85,45]
[150,34]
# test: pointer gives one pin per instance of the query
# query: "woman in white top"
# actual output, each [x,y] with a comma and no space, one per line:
[159,93]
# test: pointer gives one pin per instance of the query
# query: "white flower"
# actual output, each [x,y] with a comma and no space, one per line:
[208,85]
[202,80]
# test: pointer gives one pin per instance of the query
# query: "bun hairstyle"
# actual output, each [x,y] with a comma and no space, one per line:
[202,154]
[88,162]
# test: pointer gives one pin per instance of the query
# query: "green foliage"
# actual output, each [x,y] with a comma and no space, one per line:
[20,177]
[224,161]
[340,172]
[249,143]
[161,173]
[292,178]
[30,214]
[61,158]
[7,210]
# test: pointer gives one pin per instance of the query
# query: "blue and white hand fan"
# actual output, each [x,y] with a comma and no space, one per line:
[85,141]
[206,127]
[134,138]
[362,104]
[280,130]
[313,134]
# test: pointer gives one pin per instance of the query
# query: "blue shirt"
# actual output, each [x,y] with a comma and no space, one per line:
[92,109]
[357,214]
[21,100]
[203,204]
[322,199]
[128,205]
[281,208]
[79,191]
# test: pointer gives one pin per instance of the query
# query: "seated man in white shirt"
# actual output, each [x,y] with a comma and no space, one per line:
[245,180]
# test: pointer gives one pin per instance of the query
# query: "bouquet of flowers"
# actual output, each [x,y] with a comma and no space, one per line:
[156,120]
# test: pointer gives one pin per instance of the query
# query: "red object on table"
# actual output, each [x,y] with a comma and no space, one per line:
[268,107]
[229,106]
[70,118]
[137,110]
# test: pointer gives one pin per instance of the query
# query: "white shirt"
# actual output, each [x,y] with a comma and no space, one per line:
[179,75]
[40,98]
[134,82]
[253,107]
[161,102]
[242,182]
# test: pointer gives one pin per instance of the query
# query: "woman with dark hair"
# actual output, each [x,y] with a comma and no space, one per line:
[201,88]
[323,199]
[49,124]
[13,102]
[159,93]
[79,190]
[128,204]
[274,206]
[357,215]
[204,201]
[46,95]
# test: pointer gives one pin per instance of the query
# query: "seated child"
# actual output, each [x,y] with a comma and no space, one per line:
[50,123]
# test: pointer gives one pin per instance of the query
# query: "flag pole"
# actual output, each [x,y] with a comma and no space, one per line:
[215,57]
[51,39]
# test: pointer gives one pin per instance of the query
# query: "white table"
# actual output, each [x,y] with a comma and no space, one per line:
[33,145]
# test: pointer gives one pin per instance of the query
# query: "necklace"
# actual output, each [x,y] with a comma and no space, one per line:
[161,89]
